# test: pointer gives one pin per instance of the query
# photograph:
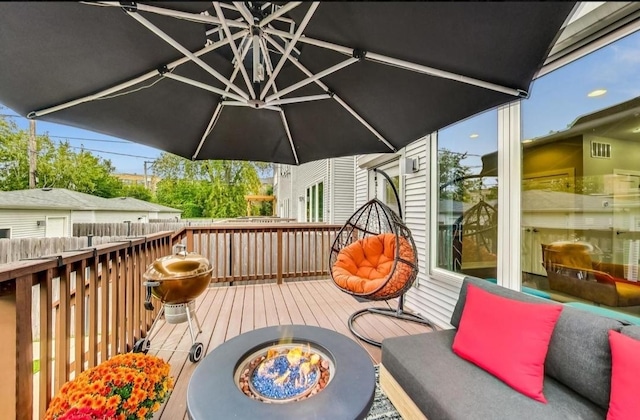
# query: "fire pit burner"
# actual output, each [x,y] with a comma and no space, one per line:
[220,382]
[284,373]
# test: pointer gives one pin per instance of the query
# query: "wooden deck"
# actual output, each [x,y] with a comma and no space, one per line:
[225,312]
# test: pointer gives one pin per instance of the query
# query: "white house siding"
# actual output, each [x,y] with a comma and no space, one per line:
[164,215]
[120,216]
[431,298]
[83,216]
[282,191]
[342,186]
[304,176]
[361,176]
[24,223]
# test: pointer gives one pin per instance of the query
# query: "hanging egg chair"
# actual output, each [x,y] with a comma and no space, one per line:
[374,258]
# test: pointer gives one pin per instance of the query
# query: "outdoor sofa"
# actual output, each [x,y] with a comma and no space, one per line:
[423,377]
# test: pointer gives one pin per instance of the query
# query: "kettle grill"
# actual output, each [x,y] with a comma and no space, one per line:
[176,280]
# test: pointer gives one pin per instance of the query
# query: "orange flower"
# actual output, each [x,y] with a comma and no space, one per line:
[124,385]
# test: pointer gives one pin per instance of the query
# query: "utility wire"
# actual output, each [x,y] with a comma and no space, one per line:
[112,153]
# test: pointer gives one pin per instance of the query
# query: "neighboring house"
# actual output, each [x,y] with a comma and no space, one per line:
[598,156]
[51,212]
[320,191]
[151,181]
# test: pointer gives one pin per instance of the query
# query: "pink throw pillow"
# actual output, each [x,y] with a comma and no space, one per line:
[507,338]
[624,403]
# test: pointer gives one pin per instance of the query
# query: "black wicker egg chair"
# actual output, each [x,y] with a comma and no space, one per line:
[374,257]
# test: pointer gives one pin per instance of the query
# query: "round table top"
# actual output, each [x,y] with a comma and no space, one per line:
[213,393]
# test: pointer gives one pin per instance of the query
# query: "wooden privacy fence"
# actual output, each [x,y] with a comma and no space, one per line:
[240,252]
[161,225]
[99,289]
[35,248]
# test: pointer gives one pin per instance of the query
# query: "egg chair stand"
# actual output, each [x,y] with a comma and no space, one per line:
[374,258]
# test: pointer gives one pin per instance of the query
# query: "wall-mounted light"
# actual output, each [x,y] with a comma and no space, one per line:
[285,173]
[411,166]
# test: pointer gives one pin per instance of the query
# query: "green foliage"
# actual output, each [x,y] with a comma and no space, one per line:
[453,182]
[136,191]
[266,207]
[57,166]
[212,188]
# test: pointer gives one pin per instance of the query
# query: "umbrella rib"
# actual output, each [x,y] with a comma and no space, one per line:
[131,82]
[246,14]
[406,65]
[234,48]
[336,97]
[204,86]
[284,9]
[175,44]
[283,117]
[299,99]
[212,123]
[313,78]
[216,113]
[204,18]
[290,46]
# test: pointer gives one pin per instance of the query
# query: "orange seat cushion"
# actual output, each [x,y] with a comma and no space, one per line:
[363,266]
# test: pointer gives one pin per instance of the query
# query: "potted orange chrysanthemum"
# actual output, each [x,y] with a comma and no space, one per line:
[128,386]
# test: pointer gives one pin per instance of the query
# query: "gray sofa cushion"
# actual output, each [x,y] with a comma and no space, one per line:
[444,386]
[500,291]
[579,354]
[632,331]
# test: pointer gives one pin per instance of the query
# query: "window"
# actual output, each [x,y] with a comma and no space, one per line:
[581,179]
[315,202]
[5,233]
[467,193]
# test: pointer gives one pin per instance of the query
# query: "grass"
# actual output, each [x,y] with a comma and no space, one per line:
[36,366]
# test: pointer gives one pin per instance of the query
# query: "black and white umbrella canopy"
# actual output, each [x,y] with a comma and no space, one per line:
[287,82]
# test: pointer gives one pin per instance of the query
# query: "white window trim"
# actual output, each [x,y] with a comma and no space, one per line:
[509,186]
[509,273]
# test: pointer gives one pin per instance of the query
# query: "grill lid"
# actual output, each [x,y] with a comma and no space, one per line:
[177,266]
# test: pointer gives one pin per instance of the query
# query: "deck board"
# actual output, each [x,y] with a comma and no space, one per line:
[227,311]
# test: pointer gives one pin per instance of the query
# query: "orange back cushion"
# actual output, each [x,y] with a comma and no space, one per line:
[363,266]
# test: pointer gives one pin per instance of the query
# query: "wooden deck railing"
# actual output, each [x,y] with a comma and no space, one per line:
[277,251]
[46,320]
[79,327]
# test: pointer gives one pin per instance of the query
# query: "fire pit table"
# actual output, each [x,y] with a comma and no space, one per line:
[289,371]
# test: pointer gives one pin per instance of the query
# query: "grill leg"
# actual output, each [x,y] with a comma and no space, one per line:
[148,336]
[195,318]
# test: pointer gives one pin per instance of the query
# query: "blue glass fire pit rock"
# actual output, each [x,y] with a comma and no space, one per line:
[277,379]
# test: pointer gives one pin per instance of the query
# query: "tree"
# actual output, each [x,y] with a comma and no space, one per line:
[266,207]
[454,182]
[58,166]
[136,191]
[211,188]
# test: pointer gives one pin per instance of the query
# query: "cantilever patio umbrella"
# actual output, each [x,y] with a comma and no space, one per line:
[286,82]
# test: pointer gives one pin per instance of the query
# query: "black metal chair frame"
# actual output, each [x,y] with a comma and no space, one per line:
[392,224]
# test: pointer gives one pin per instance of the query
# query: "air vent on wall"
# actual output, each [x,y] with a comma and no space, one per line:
[600,150]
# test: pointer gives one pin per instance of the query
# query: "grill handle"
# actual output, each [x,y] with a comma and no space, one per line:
[147,298]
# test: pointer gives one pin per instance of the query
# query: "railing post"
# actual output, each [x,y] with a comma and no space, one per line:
[16,355]
[279,257]
[190,241]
